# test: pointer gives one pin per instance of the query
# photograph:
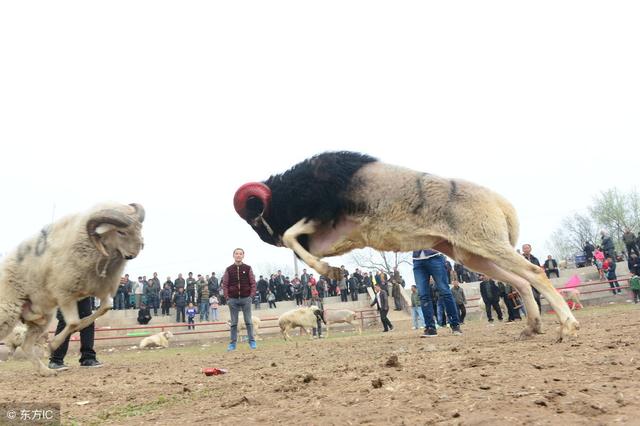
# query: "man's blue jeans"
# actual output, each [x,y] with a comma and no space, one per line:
[416,317]
[235,306]
[440,313]
[423,270]
[204,310]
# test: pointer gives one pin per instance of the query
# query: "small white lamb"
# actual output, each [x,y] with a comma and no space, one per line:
[158,340]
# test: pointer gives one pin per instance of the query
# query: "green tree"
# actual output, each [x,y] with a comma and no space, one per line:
[614,211]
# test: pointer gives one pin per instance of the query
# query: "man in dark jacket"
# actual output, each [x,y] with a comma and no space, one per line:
[297,290]
[179,283]
[629,239]
[165,299]
[461,300]
[588,252]
[180,302]
[633,263]
[169,283]
[382,300]
[510,296]
[191,288]
[526,253]
[353,287]
[610,268]
[239,287]
[128,288]
[608,247]
[304,282]
[144,315]
[551,267]
[490,293]
[263,288]
[214,285]
[118,301]
[152,294]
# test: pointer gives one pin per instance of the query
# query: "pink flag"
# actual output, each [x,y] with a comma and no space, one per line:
[573,282]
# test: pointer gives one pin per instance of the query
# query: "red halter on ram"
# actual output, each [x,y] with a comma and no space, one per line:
[248,191]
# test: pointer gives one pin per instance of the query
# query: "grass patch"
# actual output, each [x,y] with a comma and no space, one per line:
[133,410]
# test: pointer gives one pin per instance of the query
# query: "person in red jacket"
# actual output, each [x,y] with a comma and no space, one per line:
[239,287]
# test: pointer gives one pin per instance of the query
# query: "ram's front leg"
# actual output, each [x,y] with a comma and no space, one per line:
[72,320]
[290,240]
[103,309]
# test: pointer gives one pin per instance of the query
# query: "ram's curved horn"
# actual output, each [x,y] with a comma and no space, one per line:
[139,211]
[111,216]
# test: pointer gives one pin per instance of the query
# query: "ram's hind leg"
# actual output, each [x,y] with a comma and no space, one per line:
[494,270]
[536,276]
[29,347]
[290,240]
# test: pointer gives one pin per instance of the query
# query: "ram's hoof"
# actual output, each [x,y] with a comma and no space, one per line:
[47,372]
[531,330]
[526,334]
[568,330]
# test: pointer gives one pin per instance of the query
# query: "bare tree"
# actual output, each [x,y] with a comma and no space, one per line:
[379,260]
[574,231]
[266,269]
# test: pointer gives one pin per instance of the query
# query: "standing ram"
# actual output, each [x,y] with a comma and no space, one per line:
[77,256]
[335,202]
[304,318]
[342,316]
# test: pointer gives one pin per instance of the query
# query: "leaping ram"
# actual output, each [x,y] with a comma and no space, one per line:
[335,202]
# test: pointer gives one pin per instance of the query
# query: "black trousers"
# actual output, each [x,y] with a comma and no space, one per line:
[462,312]
[354,295]
[180,313]
[298,299]
[385,321]
[397,300]
[512,312]
[495,305]
[343,296]
[318,328]
[272,304]
[632,248]
[552,271]
[86,335]
[191,296]
[166,304]
[614,284]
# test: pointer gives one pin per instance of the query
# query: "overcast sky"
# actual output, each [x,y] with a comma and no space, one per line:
[175,104]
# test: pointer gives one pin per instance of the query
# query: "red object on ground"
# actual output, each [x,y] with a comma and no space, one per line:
[213,371]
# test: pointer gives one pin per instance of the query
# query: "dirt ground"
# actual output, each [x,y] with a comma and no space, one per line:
[483,377]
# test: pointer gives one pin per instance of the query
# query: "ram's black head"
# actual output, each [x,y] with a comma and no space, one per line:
[252,202]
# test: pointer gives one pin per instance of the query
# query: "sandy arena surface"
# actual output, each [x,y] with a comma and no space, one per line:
[484,377]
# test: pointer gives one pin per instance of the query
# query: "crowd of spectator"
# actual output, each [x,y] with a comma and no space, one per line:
[202,295]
